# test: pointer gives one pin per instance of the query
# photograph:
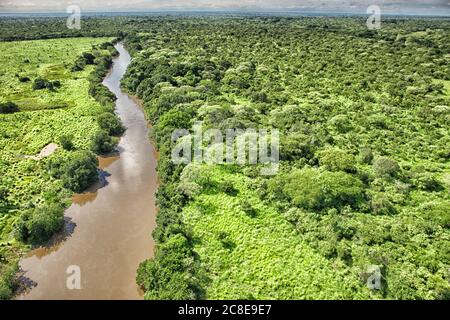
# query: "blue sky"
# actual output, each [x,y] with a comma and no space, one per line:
[388,6]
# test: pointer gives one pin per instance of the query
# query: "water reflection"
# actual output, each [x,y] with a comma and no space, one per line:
[111,223]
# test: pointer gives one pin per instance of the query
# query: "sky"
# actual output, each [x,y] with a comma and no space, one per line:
[441,7]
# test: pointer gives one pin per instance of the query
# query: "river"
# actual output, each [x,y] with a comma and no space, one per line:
[108,231]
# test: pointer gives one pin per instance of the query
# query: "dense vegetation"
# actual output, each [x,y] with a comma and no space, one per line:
[44,100]
[364,178]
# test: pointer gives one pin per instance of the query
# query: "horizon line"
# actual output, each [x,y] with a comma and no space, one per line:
[221,10]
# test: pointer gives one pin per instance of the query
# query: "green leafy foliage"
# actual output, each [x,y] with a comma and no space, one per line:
[36,226]
[111,124]
[357,112]
[363,118]
[66,142]
[76,173]
[8,107]
[67,116]
[103,143]
[40,83]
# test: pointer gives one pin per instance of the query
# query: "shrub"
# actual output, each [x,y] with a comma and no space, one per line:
[78,65]
[40,83]
[247,207]
[110,123]
[88,57]
[228,188]
[6,292]
[8,281]
[427,182]
[24,79]
[103,143]
[8,107]
[260,97]
[385,166]
[36,226]
[66,142]
[341,123]
[225,240]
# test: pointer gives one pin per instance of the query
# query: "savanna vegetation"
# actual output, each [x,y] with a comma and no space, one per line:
[44,99]
[364,177]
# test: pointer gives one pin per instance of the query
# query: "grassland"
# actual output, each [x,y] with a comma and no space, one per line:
[259,256]
[44,116]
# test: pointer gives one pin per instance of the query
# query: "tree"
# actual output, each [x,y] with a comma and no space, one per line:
[111,124]
[36,226]
[171,277]
[102,143]
[78,172]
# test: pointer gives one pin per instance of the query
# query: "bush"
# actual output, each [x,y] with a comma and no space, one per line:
[80,171]
[66,142]
[36,226]
[24,79]
[228,188]
[40,83]
[225,240]
[385,167]
[427,182]
[111,124]
[8,281]
[8,107]
[103,143]
[295,146]
[88,57]
[247,207]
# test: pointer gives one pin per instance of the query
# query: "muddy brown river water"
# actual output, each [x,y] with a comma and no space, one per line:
[108,230]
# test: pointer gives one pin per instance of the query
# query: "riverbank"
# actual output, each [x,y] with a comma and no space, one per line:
[112,229]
